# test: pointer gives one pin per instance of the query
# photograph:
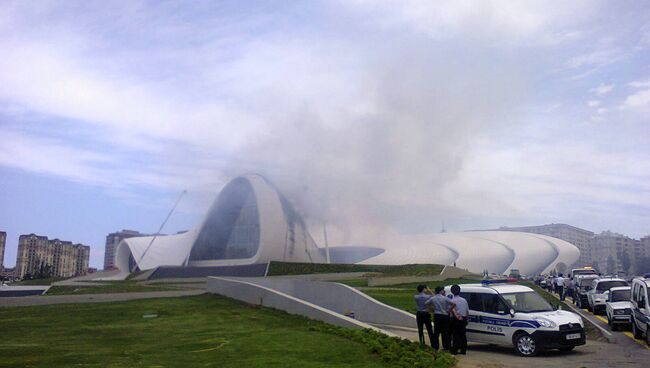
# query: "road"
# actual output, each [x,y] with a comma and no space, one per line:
[93,298]
[622,338]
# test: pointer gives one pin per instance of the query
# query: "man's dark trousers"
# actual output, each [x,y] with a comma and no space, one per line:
[441,329]
[424,318]
[459,336]
[560,291]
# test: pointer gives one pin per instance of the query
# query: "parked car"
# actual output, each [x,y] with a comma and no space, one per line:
[515,315]
[619,307]
[583,285]
[597,296]
[641,308]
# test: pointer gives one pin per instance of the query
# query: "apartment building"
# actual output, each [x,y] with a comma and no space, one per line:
[38,255]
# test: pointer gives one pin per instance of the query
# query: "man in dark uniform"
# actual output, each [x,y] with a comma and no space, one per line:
[423,300]
[442,307]
[460,313]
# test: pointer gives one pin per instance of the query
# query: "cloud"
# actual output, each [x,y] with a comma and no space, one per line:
[640,84]
[593,103]
[602,89]
[639,100]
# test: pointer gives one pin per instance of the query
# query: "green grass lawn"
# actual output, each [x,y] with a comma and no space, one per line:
[292,268]
[401,296]
[206,330]
[108,287]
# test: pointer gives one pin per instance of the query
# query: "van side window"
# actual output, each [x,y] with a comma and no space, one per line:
[493,304]
[474,301]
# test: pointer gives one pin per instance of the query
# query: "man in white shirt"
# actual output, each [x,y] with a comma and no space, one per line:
[559,286]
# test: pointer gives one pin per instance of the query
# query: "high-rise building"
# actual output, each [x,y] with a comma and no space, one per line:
[579,237]
[615,253]
[37,255]
[112,241]
[3,239]
[644,246]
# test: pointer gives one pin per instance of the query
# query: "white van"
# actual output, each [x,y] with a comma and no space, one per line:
[515,315]
[641,308]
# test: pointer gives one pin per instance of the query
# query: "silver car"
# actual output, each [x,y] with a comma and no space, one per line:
[619,307]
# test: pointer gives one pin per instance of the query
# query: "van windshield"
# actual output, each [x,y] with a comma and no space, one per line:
[586,281]
[527,302]
[588,271]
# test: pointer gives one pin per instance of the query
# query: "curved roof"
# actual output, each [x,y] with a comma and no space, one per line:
[478,251]
[249,222]
[252,222]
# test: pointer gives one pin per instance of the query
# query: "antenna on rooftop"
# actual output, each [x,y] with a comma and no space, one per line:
[161,226]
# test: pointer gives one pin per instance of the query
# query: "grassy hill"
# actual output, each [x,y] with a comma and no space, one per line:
[206,330]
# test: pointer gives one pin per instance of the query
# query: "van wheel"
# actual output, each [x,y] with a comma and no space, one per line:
[636,332]
[647,335]
[525,345]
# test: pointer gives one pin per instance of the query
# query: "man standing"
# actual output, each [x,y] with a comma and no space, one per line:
[571,290]
[442,307]
[559,286]
[423,299]
[459,322]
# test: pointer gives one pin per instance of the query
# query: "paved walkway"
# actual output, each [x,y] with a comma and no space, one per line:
[93,298]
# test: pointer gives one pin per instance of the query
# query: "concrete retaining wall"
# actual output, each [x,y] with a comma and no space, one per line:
[337,298]
[254,293]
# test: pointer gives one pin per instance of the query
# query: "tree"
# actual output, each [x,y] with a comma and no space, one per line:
[561,268]
[611,265]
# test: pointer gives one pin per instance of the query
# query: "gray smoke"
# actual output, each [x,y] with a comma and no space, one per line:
[374,146]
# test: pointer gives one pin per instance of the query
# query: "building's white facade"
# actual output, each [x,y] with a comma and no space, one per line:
[251,222]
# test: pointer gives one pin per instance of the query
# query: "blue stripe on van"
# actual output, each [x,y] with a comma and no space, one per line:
[503,322]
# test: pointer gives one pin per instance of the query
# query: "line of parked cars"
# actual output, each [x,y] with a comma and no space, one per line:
[624,303]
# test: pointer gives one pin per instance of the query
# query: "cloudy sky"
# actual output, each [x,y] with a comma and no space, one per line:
[370,115]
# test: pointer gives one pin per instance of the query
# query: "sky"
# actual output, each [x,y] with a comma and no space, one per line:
[368,115]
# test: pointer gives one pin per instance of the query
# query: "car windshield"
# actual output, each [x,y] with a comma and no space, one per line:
[621,295]
[606,285]
[527,302]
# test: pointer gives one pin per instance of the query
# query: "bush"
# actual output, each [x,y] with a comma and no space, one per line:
[392,350]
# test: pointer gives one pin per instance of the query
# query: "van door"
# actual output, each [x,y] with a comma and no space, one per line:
[485,322]
[496,318]
[475,330]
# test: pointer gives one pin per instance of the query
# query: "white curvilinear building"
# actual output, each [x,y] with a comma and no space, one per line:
[251,222]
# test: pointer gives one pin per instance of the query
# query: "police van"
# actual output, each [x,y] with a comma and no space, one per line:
[515,315]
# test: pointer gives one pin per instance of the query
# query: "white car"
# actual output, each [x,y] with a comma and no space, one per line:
[515,315]
[619,307]
[597,295]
